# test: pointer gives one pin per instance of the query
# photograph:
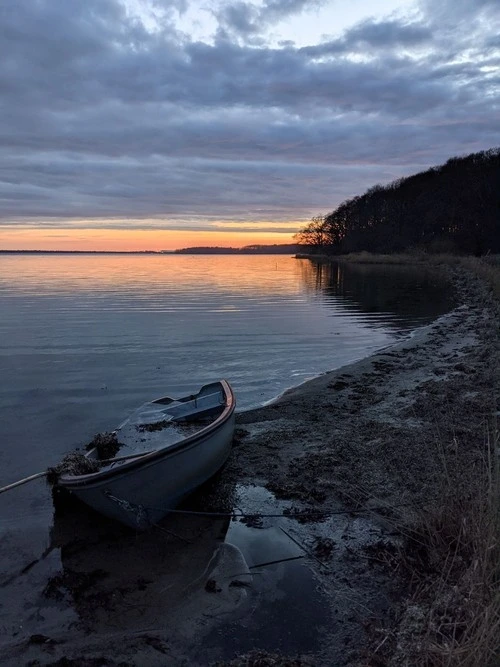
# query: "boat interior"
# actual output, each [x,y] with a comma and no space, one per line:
[166,421]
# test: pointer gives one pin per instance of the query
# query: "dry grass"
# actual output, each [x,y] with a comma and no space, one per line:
[460,601]
[371,258]
[452,616]
[452,554]
[486,268]
[450,558]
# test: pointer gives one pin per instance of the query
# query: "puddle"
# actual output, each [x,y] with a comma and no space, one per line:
[285,608]
[301,593]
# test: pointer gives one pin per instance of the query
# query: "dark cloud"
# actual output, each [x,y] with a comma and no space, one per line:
[388,34]
[247,19]
[101,116]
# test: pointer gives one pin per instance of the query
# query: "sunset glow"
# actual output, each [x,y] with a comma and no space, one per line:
[134,125]
[131,239]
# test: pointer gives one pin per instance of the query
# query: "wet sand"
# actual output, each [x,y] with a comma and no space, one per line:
[370,433]
[363,444]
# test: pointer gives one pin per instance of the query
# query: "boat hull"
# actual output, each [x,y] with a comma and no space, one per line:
[140,493]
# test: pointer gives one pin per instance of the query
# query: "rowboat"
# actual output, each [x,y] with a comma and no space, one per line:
[168,448]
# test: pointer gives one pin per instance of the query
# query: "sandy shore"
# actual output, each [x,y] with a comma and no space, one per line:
[365,441]
[371,433]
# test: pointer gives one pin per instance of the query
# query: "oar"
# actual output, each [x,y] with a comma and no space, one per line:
[44,473]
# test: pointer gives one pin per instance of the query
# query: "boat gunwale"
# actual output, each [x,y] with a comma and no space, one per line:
[72,481]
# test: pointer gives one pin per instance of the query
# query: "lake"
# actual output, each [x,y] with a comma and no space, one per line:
[86,338]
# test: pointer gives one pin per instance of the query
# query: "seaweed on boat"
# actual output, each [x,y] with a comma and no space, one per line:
[73,463]
[106,444]
[190,425]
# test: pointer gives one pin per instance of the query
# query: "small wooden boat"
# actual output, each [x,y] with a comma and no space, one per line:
[168,448]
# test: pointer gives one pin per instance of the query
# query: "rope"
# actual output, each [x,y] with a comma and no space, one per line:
[23,481]
[244,515]
[294,515]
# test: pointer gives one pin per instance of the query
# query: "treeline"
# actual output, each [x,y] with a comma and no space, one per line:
[451,208]
[276,249]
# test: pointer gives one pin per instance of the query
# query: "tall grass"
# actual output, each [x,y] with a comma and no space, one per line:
[453,554]
[365,257]
[486,268]
[461,539]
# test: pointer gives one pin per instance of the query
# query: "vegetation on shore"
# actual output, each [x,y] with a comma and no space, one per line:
[451,559]
[486,268]
[452,208]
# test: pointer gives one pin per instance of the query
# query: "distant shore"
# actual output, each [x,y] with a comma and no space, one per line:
[84,252]
[277,249]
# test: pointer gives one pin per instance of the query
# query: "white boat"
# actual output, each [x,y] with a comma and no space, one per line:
[168,447]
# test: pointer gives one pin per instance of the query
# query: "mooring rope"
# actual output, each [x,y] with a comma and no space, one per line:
[140,509]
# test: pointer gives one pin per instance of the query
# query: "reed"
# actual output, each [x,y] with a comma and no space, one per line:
[487,269]
[450,550]
[453,556]
[371,258]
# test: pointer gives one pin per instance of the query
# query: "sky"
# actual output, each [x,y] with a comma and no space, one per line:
[147,124]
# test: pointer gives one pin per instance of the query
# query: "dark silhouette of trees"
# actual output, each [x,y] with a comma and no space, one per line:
[275,249]
[314,234]
[454,207]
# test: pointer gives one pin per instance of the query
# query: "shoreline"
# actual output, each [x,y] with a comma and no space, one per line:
[373,435]
[415,333]
[457,336]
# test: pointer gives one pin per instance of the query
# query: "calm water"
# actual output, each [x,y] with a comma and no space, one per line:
[86,338]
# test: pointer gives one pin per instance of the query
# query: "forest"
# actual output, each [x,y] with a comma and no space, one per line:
[275,249]
[452,208]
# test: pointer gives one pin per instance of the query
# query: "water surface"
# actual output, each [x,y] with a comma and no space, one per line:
[86,338]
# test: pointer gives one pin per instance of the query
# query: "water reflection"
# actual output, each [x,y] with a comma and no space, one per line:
[224,578]
[220,284]
[115,579]
[144,276]
[398,296]
[84,339]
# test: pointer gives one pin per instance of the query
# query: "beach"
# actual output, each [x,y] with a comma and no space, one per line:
[373,443]
[369,432]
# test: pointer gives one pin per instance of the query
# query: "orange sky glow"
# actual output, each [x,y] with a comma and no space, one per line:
[132,240]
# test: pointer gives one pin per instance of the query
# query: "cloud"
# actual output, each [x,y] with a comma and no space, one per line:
[109,110]
[248,19]
[388,34]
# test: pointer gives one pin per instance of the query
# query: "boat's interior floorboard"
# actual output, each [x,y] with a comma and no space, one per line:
[153,426]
